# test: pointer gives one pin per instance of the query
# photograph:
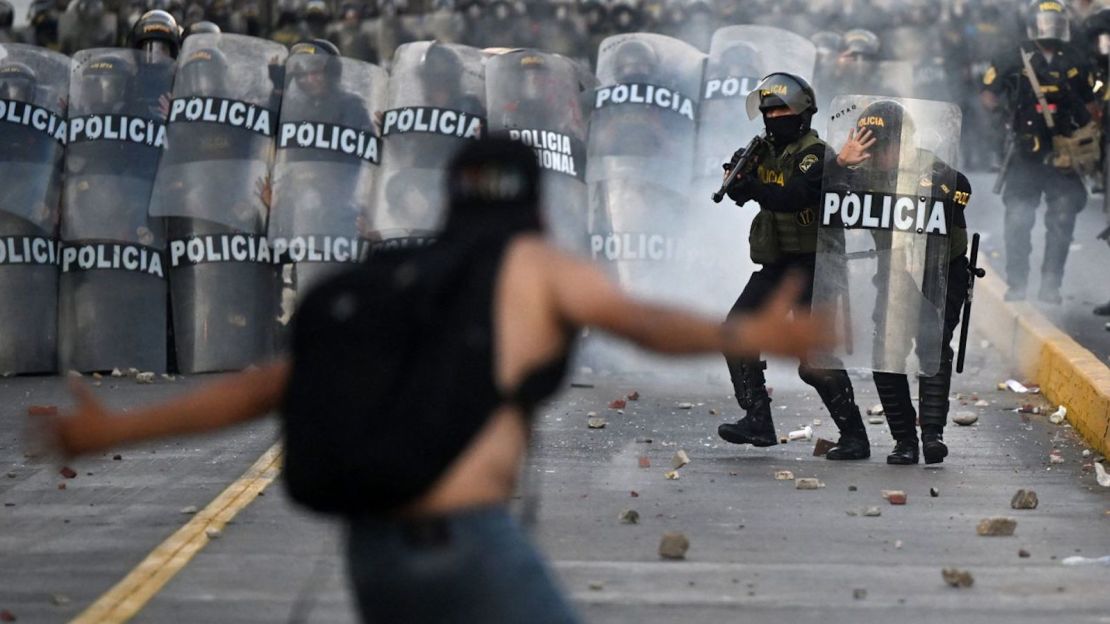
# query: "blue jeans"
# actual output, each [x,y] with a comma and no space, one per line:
[471,566]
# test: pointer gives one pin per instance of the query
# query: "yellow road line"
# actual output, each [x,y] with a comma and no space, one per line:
[131,594]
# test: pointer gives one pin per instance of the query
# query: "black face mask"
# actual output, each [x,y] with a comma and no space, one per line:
[785,130]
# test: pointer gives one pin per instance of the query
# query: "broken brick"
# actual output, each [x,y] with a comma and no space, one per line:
[996,527]
[896,497]
[596,423]
[68,472]
[957,578]
[617,404]
[645,462]
[1024,499]
[634,396]
[822,447]
[807,483]
[634,494]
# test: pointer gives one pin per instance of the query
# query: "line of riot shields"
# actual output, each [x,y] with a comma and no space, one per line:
[164,215]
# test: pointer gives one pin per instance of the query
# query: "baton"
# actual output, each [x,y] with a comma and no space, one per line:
[973,272]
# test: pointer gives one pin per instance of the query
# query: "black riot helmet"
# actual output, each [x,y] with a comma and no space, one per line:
[1097,27]
[7,14]
[893,129]
[315,66]
[157,31]
[634,61]
[441,73]
[594,13]
[861,42]
[625,16]
[17,82]
[741,60]
[202,27]
[204,72]
[104,79]
[316,12]
[493,188]
[827,42]
[1048,21]
[534,75]
[782,89]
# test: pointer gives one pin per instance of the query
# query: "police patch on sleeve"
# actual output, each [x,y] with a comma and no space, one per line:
[807,162]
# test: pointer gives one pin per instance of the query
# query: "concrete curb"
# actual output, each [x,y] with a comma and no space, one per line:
[1068,374]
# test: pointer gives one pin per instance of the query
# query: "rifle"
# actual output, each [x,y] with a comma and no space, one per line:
[1007,158]
[973,272]
[749,158]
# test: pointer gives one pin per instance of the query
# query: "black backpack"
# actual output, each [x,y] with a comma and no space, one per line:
[391,377]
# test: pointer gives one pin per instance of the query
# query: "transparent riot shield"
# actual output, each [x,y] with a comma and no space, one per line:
[536,98]
[436,102]
[213,181]
[112,296]
[33,87]
[883,237]
[640,162]
[328,155]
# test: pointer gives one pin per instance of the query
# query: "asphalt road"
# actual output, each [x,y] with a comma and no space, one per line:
[761,551]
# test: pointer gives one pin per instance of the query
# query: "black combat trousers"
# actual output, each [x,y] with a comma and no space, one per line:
[833,386]
[894,389]
[1064,194]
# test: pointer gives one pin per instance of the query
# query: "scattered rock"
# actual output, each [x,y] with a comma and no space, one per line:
[875,420]
[965,419]
[853,513]
[596,423]
[1086,452]
[629,516]
[996,527]
[633,396]
[872,512]
[957,578]
[617,404]
[713,412]
[634,494]
[822,447]
[784,440]
[61,486]
[645,462]
[680,459]
[1055,457]
[806,483]
[1024,554]
[168,377]
[132,371]
[1024,499]
[897,497]
[597,586]
[74,374]
[117,457]
[671,475]
[673,545]
[68,472]
[859,593]
[684,406]
[876,410]
[643,440]
[42,410]
[144,378]
[982,403]
[213,533]
[784,475]
[1059,416]
[897,544]
[117,372]
[852,488]
[934,492]
[60,600]
[190,510]
[12,475]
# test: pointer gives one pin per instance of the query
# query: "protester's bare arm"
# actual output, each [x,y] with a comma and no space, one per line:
[585,297]
[224,402]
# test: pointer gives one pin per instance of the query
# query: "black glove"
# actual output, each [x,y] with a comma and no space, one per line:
[736,156]
[743,188]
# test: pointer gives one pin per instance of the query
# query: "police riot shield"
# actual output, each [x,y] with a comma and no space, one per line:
[883,236]
[640,161]
[328,154]
[213,180]
[436,102]
[536,98]
[33,86]
[112,295]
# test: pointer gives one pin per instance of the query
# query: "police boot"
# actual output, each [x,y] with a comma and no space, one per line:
[750,386]
[894,393]
[1103,310]
[1050,290]
[835,389]
[933,398]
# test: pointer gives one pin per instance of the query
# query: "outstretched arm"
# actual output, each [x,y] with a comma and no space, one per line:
[224,402]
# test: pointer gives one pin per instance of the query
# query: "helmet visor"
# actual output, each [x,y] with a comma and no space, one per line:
[778,90]
[1050,25]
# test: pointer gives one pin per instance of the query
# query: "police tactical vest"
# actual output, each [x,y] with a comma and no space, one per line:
[793,232]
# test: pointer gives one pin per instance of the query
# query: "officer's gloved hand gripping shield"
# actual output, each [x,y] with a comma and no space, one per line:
[883,236]
[327,160]
[112,296]
[33,91]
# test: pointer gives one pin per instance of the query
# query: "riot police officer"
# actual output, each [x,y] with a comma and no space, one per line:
[203,27]
[1097,27]
[7,18]
[787,186]
[157,34]
[882,149]
[1037,166]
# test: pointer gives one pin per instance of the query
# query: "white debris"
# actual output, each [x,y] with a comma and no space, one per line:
[801,434]
[1058,416]
[875,420]
[671,475]
[1101,476]
[965,418]
[1077,561]
[680,459]
[144,378]
[816,422]
[806,483]
[876,410]
[1014,385]
[190,510]
[982,403]
[784,475]
[213,533]
[117,372]
[685,406]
